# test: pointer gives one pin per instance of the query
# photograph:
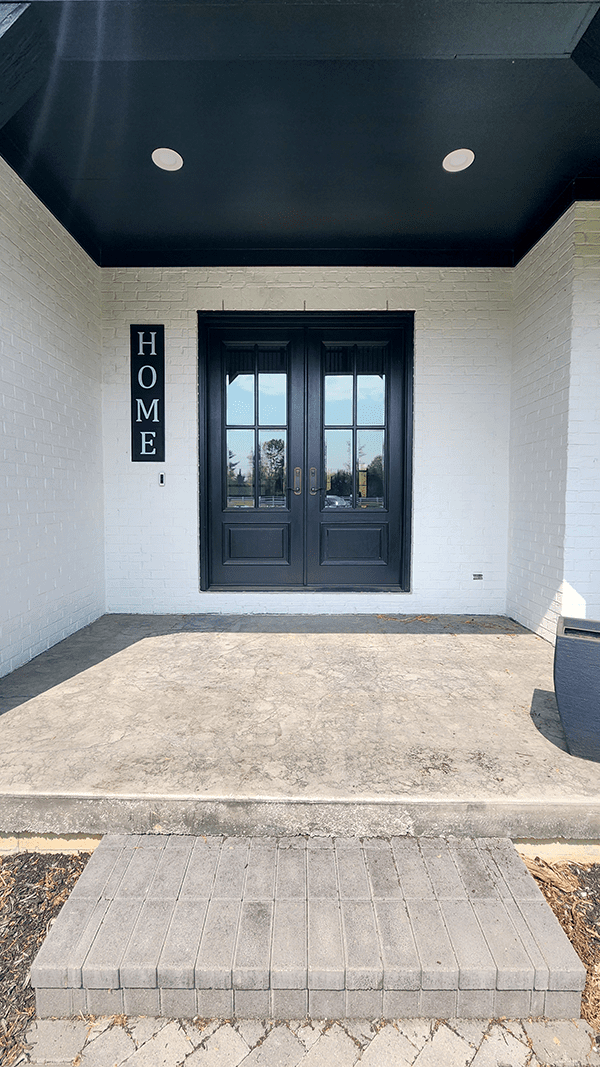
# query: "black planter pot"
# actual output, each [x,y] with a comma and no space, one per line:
[577,684]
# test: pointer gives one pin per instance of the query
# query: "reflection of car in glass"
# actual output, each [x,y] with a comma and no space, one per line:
[337,502]
[271,502]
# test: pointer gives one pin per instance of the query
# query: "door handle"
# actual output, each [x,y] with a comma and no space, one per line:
[313,487]
[297,490]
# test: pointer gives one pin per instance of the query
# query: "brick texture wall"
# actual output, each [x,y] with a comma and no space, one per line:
[51,498]
[581,593]
[539,428]
[462,385]
[554,528]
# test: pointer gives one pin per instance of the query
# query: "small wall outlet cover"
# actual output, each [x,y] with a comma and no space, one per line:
[161,479]
[477,577]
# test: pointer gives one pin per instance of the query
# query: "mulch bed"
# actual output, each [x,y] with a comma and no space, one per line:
[34,886]
[573,892]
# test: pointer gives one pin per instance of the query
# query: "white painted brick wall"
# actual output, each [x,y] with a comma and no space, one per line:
[51,503]
[539,428]
[554,529]
[462,384]
[582,532]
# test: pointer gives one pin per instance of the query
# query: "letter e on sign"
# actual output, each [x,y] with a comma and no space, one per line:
[147,354]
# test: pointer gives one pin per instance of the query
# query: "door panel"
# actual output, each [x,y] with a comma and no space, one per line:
[351,544]
[255,388]
[256,543]
[307,478]
[355,393]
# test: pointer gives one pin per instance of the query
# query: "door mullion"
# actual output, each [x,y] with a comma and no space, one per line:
[256,434]
[306,458]
[354,431]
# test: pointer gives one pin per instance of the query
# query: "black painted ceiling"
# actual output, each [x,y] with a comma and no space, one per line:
[312,132]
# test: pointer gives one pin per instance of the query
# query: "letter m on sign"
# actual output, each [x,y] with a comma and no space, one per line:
[147,356]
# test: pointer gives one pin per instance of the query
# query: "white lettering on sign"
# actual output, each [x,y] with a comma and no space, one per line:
[151,342]
[144,435]
[141,376]
[141,410]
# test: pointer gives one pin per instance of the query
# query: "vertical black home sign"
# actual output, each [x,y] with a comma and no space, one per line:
[147,394]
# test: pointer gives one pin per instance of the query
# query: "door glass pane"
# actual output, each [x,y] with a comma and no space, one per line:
[338,469]
[240,468]
[240,399]
[338,399]
[272,405]
[370,398]
[369,452]
[272,468]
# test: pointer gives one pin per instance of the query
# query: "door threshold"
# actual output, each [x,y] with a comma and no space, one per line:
[306,589]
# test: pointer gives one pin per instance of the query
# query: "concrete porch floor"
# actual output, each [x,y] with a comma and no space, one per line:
[271,724]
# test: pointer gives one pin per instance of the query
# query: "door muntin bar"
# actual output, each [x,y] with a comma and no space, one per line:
[354,437]
[255,422]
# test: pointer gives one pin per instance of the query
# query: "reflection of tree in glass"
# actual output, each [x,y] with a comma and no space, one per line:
[375,477]
[237,485]
[272,467]
[231,465]
[341,483]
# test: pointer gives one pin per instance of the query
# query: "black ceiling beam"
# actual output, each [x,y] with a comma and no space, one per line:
[587,53]
[210,30]
[305,257]
[25,55]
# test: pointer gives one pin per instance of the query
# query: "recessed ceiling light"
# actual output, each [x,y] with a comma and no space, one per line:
[460,159]
[167,159]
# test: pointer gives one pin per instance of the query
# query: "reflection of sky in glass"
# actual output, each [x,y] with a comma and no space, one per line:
[338,399]
[240,400]
[369,444]
[338,450]
[272,399]
[370,392]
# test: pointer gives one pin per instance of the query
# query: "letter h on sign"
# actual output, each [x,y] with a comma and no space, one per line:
[147,394]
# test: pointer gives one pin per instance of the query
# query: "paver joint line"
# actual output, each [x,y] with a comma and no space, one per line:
[402,1043]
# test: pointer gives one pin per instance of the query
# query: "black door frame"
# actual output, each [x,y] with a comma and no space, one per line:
[332,319]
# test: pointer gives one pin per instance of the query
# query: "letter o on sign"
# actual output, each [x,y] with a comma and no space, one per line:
[152,382]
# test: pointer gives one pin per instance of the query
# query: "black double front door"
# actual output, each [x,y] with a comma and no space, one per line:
[306,449]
